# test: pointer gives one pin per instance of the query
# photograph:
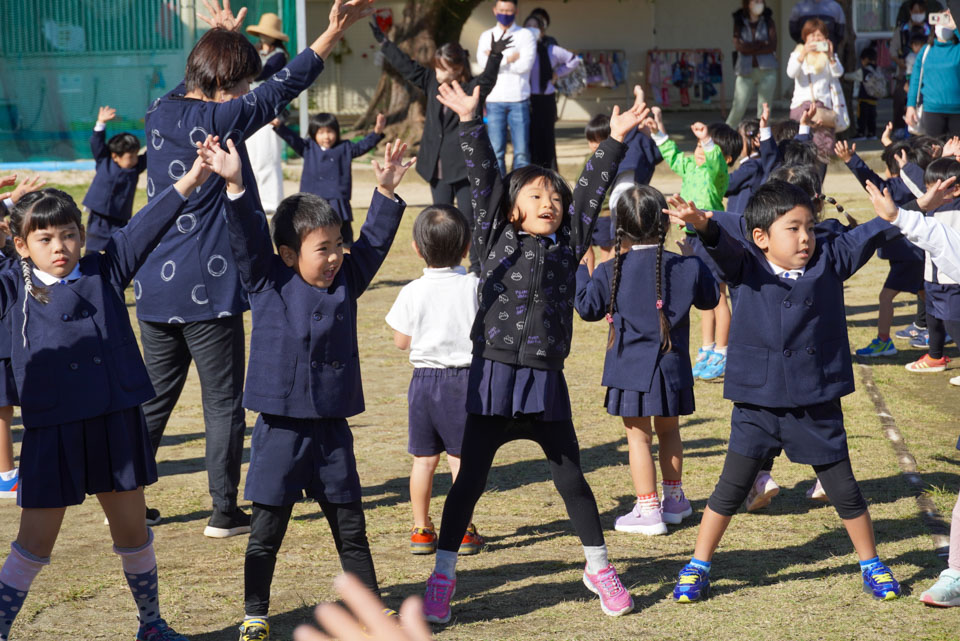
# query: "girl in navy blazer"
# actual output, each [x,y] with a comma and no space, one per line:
[646,297]
[327,161]
[81,381]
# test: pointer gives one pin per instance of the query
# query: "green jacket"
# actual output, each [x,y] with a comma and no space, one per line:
[705,185]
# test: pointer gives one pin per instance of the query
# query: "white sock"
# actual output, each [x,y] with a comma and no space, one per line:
[720,350]
[446,564]
[708,348]
[596,557]
[9,476]
[247,617]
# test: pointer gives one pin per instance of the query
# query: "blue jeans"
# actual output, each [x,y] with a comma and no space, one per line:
[516,115]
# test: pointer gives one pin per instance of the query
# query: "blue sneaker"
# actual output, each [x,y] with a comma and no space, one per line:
[878,581]
[921,340]
[158,631]
[693,584]
[703,356]
[715,367]
[909,332]
[8,489]
[878,347]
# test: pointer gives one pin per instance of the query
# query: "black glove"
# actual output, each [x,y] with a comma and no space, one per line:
[378,33]
[497,47]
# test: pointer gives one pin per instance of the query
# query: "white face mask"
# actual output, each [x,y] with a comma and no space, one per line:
[944,33]
[918,18]
[756,8]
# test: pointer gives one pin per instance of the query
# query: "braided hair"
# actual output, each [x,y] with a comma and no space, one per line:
[807,178]
[640,218]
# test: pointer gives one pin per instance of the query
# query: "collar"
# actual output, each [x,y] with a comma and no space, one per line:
[440,272]
[49,279]
[636,247]
[794,274]
[552,237]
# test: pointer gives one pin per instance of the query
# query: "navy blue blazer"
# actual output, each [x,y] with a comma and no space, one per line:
[76,357]
[641,158]
[304,361]
[789,345]
[327,172]
[635,357]
[191,275]
[113,188]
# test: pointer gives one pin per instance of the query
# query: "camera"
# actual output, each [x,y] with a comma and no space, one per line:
[939,18]
[822,46]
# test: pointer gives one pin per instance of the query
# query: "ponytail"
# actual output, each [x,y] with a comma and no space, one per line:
[665,343]
[840,210]
[615,286]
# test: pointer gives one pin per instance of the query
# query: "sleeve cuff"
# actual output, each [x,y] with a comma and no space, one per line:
[805,130]
[766,133]
[100,126]
[660,138]
[708,145]
[8,203]
[236,196]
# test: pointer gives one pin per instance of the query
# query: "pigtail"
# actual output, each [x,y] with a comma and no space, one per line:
[42,294]
[665,343]
[615,286]
[851,221]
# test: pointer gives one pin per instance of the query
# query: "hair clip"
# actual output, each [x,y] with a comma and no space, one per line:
[610,318]
[659,304]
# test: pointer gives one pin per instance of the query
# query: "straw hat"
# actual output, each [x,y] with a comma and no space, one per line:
[270,26]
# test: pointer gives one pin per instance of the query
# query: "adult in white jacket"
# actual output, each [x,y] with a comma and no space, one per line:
[815,68]
[508,105]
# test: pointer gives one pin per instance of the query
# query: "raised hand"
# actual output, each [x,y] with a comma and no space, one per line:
[686,213]
[657,114]
[809,116]
[31,184]
[391,172]
[381,124]
[459,102]
[902,158]
[844,151]
[198,172]
[223,162]
[106,114]
[937,194]
[223,18]
[378,33]
[623,123]
[700,131]
[498,46]
[6,181]
[765,116]
[887,138]
[951,148]
[882,202]
[345,13]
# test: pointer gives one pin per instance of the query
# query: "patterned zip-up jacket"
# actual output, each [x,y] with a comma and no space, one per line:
[528,283]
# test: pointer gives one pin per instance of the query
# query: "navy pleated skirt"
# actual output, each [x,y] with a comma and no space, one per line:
[659,401]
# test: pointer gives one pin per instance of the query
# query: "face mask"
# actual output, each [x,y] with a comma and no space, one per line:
[918,18]
[535,32]
[506,19]
[944,33]
[756,8]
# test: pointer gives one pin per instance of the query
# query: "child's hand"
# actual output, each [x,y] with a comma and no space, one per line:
[224,163]
[686,248]
[223,18]
[6,181]
[106,114]
[844,151]
[937,194]
[951,147]
[381,124]
[345,13]
[686,213]
[31,184]
[198,173]
[902,158]
[887,138]
[882,202]
[809,116]
[700,131]
[276,123]
[657,114]
[454,98]
[649,127]
[393,169]
[765,116]
[623,123]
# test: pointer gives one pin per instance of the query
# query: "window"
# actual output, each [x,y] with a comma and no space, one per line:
[875,17]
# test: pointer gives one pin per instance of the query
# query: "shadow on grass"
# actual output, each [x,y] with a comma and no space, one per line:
[898,321]
[282,625]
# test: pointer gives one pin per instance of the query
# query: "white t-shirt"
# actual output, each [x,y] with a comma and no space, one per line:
[437,312]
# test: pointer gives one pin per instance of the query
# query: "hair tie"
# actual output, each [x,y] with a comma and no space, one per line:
[659,304]
[610,318]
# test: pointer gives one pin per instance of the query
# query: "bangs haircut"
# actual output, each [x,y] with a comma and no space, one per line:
[520,178]
[598,129]
[639,212]
[773,200]
[812,25]
[542,13]
[323,121]
[221,60]
[300,214]
[727,138]
[124,143]
[42,210]
[785,130]
[889,156]
[456,57]
[941,169]
[927,149]
[442,235]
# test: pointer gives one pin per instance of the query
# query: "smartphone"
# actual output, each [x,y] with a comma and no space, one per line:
[939,18]
[822,46]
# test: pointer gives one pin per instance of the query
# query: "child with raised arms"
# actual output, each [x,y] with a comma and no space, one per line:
[531,232]
[646,295]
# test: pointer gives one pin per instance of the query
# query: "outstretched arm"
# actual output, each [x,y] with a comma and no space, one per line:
[371,140]
[593,293]
[729,255]
[298,144]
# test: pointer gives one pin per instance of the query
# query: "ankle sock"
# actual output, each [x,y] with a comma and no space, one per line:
[884,337]
[446,564]
[720,350]
[140,570]
[648,502]
[596,557]
[703,565]
[706,348]
[18,572]
[869,563]
[673,490]
[9,475]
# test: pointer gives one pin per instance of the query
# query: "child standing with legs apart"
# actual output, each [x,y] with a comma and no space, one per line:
[304,370]
[789,365]
[432,318]
[81,381]
[531,232]
[646,297]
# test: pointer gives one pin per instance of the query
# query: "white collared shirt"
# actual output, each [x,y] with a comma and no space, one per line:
[513,83]
[49,279]
[636,247]
[789,274]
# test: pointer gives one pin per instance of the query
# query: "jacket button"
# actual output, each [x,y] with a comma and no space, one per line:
[65,317]
[314,364]
[317,316]
[339,317]
[787,353]
[808,302]
[335,364]
[811,350]
[74,366]
[97,360]
[787,303]
[85,313]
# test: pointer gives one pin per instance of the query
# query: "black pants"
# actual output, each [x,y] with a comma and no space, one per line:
[921,318]
[482,438]
[866,118]
[934,124]
[267,528]
[543,139]
[457,194]
[739,472]
[899,105]
[938,334]
[216,346]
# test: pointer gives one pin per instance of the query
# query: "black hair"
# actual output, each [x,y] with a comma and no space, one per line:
[513,2]
[808,178]
[598,129]
[300,214]
[221,59]
[124,143]
[454,56]
[918,36]
[771,201]
[542,13]
[798,152]
[640,217]
[520,178]
[927,149]
[323,121]
[869,54]
[541,23]
[889,156]
[785,130]
[941,169]
[749,129]
[442,235]
[728,139]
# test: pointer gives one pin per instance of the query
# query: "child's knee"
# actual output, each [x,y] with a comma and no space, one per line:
[665,425]
[426,463]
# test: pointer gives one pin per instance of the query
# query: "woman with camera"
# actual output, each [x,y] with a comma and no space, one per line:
[815,70]
[935,81]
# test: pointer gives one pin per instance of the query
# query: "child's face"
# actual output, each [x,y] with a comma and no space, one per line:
[54,250]
[539,208]
[320,256]
[699,155]
[916,46]
[593,146]
[326,137]
[790,241]
[127,160]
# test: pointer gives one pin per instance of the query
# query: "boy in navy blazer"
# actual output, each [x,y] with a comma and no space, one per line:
[788,365]
[304,369]
[119,165]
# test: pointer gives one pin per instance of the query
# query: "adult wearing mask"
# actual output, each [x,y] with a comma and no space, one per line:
[814,68]
[755,43]
[911,21]
[508,105]
[551,61]
[828,11]
[939,65]
[263,146]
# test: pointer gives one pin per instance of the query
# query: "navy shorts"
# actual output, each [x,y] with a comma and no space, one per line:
[293,457]
[437,402]
[943,301]
[813,435]
[905,276]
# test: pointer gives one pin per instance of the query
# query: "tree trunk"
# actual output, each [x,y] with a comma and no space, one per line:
[423,25]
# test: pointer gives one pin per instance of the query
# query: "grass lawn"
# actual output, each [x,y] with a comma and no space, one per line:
[786,573]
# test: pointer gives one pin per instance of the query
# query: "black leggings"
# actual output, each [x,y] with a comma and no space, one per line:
[445,194]
[938,334]
[934,124]
[921,317]
[267,527]
[482,438]
[739,472]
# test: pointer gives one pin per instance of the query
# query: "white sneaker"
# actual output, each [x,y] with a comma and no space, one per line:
[763,490]
[817,493]
[955,381]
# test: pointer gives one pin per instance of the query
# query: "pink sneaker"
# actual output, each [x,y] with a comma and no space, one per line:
[763,490]
[436,599]
[614,598]
[675,510]
[637,521]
